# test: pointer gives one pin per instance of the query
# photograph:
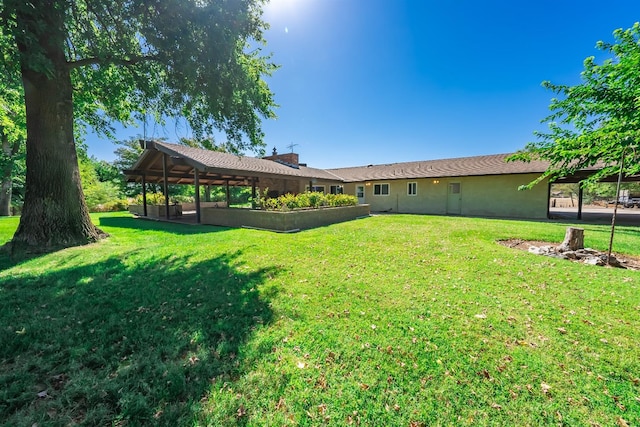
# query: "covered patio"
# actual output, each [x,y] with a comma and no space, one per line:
[165,163]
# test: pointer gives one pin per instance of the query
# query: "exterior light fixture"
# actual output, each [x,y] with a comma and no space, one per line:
[436,181]
[367,184]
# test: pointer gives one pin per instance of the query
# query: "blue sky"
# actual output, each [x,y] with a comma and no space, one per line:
[382,81]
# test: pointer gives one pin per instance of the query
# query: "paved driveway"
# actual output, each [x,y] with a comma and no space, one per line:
[598,215]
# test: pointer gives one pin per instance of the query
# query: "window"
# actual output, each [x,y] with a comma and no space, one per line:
[360,191]
[336,189]
[454,188]
[412,188]
[380,189]
[316,188]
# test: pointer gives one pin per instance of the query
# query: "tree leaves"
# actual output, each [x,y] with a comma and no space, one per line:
[201,60]
[595,124]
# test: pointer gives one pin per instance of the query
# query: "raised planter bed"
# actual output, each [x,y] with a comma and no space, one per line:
[282,221]
[156,211]
[192,206]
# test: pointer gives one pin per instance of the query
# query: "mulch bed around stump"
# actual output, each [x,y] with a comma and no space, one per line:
[626,261]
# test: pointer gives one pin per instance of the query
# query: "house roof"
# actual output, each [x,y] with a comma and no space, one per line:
[462,166]
[217,168]
[214,168]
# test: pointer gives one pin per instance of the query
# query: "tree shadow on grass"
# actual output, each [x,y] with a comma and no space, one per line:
[8,260]
[110,343]
[148,224]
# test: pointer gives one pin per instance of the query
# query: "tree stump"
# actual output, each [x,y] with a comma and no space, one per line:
[573,240]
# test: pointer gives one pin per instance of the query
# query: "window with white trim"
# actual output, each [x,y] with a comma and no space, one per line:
[336,189]
[316,188]
[380,189]
[412,188]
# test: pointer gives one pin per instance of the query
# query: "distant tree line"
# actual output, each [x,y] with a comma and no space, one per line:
[105,186]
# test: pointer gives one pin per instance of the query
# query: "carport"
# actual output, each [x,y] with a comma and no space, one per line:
[581,175]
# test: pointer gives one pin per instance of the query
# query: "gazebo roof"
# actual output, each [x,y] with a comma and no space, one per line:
[214,168]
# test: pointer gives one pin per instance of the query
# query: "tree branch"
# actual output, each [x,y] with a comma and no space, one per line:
[110,60]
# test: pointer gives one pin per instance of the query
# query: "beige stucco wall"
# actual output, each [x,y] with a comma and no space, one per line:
[349,188]
[485,195]
[282,186]
[492,196]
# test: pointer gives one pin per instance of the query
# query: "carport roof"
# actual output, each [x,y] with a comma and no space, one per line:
[214,168]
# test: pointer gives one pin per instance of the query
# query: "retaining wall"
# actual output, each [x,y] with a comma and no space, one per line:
[156,211]
[282,221]
[192,206]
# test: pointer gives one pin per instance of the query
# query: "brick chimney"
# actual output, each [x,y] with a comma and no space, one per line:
[290,159]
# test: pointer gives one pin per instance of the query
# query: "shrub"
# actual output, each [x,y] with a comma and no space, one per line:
[315,199]
[97,193]
[152,199]
[112,206]
[341,200]
[158,199]
[306,200]
[181,198]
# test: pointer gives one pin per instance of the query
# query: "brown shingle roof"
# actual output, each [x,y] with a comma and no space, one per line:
[462,166]
[217,160]
[227,164]
[215,167]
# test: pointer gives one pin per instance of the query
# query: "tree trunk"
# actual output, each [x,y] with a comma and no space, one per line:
[573,240]
[6,183]
[5,195]
[54,214]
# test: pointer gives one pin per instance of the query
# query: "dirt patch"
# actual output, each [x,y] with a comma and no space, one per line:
[625,261]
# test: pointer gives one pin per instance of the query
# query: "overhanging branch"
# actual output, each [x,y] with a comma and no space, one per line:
[109,60]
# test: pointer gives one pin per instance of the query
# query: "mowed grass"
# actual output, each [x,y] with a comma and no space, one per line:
[395,320]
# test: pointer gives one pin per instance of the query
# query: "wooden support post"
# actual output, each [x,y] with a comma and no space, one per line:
[253,193]
[166,185]
[580,196]
[548,200]
[144,194]
[310,186]
[196,181]
[228,195]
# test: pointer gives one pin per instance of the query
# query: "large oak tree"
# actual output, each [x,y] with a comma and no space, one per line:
[90,62]
[12,123]
[596,122]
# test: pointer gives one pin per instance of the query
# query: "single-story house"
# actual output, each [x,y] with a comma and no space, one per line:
[468,186]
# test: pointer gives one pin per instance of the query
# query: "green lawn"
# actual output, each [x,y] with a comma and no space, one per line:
[394,320]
